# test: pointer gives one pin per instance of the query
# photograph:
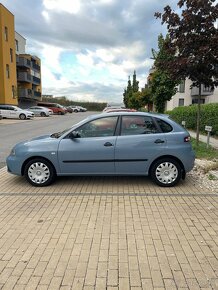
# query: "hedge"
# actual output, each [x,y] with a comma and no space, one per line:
[208,116]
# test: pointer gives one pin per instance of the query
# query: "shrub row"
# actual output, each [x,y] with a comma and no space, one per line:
[208,116]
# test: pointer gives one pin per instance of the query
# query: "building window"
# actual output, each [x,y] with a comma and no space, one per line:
[181,102]
[182,86]
[6,33]
[7,71]
[206,89]
[195,101]
[16,45]
[13,92]
[11,54]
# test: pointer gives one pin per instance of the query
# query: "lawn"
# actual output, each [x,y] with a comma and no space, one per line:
[202,152]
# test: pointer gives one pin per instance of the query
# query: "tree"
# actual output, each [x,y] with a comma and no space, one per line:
[130,96]
[135,83]
[163,87]
[193,40]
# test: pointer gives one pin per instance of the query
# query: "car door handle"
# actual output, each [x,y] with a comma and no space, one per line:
[158,141]
[108,144]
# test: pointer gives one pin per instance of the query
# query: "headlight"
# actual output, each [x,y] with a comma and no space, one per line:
[12,152]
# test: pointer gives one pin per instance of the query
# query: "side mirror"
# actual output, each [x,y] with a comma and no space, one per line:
[74,135]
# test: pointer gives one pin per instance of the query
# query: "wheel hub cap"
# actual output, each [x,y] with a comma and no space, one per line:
[166,172]
[39,172]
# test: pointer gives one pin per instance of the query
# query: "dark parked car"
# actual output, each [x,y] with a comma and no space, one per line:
[119,143]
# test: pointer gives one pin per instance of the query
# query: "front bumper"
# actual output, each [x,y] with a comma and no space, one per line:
[14,165]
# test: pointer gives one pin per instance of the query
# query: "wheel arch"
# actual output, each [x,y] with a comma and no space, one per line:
[36,157]
[171,157]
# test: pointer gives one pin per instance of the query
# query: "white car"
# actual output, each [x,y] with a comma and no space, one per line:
[12,112]
[40,111]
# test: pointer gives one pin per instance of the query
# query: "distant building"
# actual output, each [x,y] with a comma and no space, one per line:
[28,80]
[8,77]
[186,95]
[20,73]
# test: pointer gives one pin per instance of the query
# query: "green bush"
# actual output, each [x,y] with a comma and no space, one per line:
[208,117]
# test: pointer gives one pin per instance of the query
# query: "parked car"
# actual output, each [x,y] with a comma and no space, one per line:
[120,110]
[69,109]
[81,109]
[119,143]
[40,111]
[75,109]
[10,111]
[56,108]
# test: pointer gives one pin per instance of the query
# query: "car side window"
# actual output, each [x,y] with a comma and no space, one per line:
[98,128]
[136,125]
[165,127]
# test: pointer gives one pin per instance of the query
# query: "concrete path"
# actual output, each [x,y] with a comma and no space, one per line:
[213,141]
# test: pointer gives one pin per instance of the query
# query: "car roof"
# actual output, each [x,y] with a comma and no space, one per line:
[125,113]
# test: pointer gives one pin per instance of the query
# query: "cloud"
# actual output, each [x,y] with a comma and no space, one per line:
[89,48]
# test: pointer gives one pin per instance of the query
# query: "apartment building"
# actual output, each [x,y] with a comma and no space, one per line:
[186,95]
[8,76]
[28,80]
[20,73]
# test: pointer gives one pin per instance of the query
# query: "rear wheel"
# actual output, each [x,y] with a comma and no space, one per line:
[43,114]
[22,116]
[166,172]
[39,172]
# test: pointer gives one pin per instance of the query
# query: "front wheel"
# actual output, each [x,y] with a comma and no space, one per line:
[22,116]
[39,172]
[166,172]
[43,114]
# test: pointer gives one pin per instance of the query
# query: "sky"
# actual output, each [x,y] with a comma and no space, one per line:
[88,48]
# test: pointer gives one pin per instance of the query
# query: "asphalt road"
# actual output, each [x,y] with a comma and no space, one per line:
[12,133]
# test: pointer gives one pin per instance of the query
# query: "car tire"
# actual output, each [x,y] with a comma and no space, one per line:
[43,114]
[39,172]
[76,111]
[166,172]
[22,117]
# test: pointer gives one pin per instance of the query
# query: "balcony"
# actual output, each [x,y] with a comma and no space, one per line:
[35,66]
[24,77]
[204,91]
[35,80]
[23,62]
[29,94]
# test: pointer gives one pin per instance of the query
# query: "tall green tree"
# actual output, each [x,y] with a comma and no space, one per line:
[163,87]
[135,83]
[193,40]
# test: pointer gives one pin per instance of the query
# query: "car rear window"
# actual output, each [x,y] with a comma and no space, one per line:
[165,127]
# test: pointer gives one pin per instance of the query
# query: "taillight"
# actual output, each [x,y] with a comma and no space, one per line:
[187,139]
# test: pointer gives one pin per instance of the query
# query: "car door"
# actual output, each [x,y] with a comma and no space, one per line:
[93,151]
[139,143]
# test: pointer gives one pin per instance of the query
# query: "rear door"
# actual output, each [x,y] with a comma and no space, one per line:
[139,143]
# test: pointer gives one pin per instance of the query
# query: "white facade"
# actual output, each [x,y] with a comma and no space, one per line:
[20,43]
[186,96]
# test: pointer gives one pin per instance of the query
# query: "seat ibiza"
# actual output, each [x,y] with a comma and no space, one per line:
[119,143]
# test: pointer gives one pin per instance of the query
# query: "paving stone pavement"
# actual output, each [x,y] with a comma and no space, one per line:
[107,234]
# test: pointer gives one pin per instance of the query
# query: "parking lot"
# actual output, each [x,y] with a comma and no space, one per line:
[114,233]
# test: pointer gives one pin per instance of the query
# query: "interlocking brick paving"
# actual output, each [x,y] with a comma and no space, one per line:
[107,233]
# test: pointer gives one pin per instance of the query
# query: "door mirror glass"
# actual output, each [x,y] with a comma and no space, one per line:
[74,135]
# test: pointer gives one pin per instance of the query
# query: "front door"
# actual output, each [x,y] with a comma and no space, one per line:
[92,152]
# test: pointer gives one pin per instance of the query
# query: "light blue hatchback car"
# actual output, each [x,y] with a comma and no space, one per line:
[119,143]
